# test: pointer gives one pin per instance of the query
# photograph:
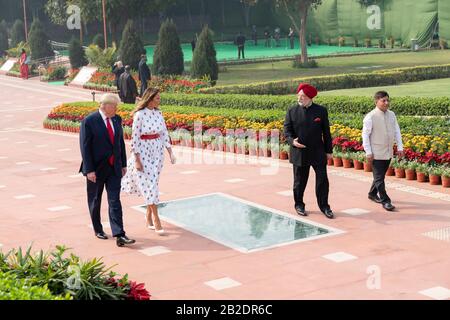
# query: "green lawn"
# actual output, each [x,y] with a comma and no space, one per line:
[430,88]
[259,72]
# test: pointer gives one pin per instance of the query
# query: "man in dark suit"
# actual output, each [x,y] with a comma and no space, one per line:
[307,130]
[240,42]
[104,163]
[117,69]
[144,74]
[127,87]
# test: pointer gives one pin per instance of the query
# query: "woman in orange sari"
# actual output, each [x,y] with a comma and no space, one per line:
[23,65]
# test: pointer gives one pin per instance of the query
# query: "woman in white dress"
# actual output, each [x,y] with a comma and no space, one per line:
[149,137]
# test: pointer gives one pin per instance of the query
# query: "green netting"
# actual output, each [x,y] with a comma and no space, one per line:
[228,51]
[444,19]
[401,19]
[325,20]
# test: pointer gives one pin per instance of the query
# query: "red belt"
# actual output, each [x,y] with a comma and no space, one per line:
[150,136]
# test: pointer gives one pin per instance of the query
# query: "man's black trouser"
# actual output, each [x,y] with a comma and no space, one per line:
[241,49]
[379,168]
[301,175]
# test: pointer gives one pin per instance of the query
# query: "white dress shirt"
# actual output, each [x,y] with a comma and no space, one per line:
[104,117]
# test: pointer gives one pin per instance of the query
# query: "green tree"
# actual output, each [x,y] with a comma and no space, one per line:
[131,46]
[168,57]
[39,41]
[204,61]
[301,9]
[99,40]
[3,38]
[77,55]
[17,33]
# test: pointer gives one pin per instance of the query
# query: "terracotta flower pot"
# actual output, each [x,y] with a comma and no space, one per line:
[390,172]
[358,165]
[399,173]
[422,177]
[445,181]
[435,180]
[347,163]
[410,174]
[330,162]
[337,162]
[283,155]
[367,167]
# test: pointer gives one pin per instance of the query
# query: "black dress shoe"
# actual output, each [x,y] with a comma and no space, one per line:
[301,210]
[121,241]
[101,235]
[328,213]
[388,206]
[374,198]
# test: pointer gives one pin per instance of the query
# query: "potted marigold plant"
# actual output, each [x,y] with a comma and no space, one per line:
[445,177]
[367,165]
[399,167]
[358,160]
[410,170]
[285,149]
[434,173]
[347,159]
[253,147]
[337,158]
[422,172]
[229,141]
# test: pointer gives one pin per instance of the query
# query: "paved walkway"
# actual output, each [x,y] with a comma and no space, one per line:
[401,255]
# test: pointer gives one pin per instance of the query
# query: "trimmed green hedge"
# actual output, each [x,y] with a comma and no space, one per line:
[340,81]
[360,105]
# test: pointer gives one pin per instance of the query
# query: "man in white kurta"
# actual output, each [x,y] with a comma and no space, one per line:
[380,132]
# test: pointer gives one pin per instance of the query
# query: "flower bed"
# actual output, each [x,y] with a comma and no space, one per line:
[347,140]
[55,276]
[103,80]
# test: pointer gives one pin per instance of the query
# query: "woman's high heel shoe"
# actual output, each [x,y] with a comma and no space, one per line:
[148,225]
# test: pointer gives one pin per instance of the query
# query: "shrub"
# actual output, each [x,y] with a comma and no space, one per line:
[58,73]
[17,33]
[77,55]
[168,56]
[311,63]
[99,40]
[39,41]
[12,288]
[340,81]
[101,58]
[3,38]
[131,47]
[17,51]
[82,280]
[204,61]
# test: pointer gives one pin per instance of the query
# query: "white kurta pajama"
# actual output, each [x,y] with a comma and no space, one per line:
[151,152]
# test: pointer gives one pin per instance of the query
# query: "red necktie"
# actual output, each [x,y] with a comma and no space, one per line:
[111,137]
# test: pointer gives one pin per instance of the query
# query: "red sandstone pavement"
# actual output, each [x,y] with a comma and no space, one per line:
[392,244]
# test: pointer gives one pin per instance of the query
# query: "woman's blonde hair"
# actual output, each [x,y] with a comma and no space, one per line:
[147,97]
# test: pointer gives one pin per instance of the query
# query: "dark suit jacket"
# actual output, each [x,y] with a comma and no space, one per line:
[117,73]
[127,87]
[96,147]
[312,128]
[144,71]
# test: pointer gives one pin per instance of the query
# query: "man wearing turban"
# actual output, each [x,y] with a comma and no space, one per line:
[307,131]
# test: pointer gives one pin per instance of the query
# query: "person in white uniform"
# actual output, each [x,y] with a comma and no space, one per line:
[149,138]
[380,131]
